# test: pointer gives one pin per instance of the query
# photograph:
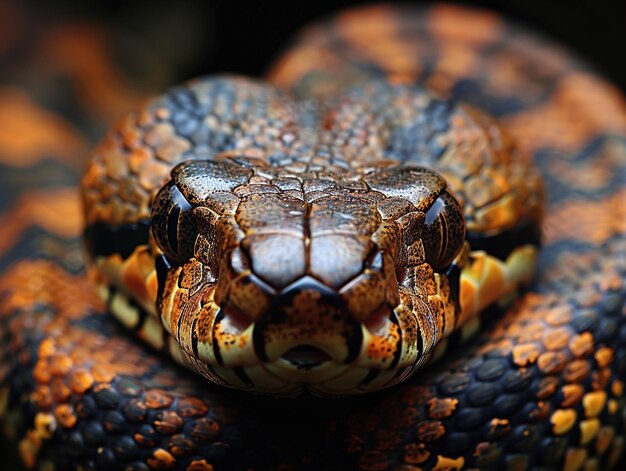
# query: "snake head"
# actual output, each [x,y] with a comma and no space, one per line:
[275,282]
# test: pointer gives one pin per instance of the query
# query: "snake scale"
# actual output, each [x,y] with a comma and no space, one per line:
[304,213]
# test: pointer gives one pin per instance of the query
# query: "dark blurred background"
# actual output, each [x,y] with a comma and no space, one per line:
[243,37]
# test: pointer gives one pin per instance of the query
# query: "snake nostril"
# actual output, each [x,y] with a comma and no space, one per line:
[233,320]
[400,274]
[378,321]
[306,356]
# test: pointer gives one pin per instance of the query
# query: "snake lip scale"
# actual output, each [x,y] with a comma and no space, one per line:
[359,231]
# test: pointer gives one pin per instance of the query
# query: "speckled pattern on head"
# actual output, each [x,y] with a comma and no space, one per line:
[540,387]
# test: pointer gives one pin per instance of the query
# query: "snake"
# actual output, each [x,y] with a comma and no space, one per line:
[413,227]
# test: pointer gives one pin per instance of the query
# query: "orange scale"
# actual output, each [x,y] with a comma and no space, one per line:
[64,413]
[103,372]
[192,407]
[161,459]
[41,372]
[60,391]
[60,365]
[81,381]
[42,396]
[547,387]
[157,399]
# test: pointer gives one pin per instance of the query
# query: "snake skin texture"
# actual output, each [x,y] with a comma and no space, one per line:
[541,387]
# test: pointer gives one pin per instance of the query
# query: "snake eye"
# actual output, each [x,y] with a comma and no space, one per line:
[173,225]
[444,231]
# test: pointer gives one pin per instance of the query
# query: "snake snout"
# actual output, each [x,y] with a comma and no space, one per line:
[307,323]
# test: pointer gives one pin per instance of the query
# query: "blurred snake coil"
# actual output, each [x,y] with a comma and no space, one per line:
[331,230]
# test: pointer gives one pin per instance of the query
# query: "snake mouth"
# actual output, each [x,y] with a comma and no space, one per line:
[306,357]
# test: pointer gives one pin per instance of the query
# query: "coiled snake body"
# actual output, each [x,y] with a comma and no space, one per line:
[301,243]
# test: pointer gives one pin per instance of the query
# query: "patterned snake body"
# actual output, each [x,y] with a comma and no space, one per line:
[310,250]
